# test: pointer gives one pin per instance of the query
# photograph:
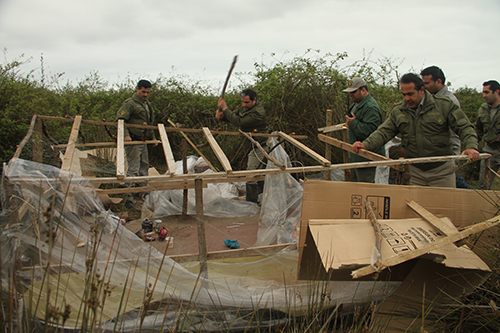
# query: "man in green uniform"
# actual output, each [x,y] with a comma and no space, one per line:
[250,117]
[423,121]
[488,129]
[363,118]
[137,110]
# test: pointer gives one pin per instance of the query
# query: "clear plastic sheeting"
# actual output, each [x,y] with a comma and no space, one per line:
[281,203]
[219,199]
[60,249]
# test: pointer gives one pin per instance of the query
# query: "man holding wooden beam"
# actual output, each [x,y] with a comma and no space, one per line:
[423,121]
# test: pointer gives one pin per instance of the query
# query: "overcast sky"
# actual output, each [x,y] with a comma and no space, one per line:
[198,38]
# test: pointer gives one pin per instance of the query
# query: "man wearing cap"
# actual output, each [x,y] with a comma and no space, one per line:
[362,119]
[251,118]
[137,110]
[423,121]
[488,129]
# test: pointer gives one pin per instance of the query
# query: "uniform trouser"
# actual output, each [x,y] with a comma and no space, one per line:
[442,176]
[137,160]
[494,165]
[256,159]
[365,175]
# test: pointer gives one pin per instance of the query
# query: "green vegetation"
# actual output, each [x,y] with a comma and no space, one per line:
[296,94]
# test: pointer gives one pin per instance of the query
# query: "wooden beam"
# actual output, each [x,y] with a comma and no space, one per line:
[361,152]
[236,253]
[305,149]
[70,150]
[194,146]
[328,149]
[432,219]
[174,129]
[169,156]
[332,128]
[120,150]
[398,259]
[26,137]
[106,144]
[247,175]
[202,244]
[217,150]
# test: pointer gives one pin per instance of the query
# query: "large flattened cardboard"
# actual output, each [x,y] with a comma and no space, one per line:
[347,244]
[344,200]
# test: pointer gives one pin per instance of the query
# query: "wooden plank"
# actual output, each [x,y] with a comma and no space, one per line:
[332,128]
[202,244]
[432,219]
[120,150]
[217,150]
[398,259]
[68,155]
[247,175]
[105,144]
[236,253]
[305,149]
[169,156]
[194,146]
[187,130]
[361,152]
[328,149]
[26,137]
[37,142]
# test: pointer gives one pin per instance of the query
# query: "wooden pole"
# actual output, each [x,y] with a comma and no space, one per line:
[26,138]
[328,149]
[202,244]
[270,158]
[194,146]
[487,174]
[185,168]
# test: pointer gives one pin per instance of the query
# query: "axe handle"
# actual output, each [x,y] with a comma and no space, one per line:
[229,75]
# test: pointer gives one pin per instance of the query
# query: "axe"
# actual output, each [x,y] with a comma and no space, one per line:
[227,78]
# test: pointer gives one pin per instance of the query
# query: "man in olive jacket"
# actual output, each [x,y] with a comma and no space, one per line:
[423,121]
[249,117]
[362,119]
[137,110]
[488,129]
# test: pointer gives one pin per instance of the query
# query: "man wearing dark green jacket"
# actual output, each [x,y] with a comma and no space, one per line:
[362,119]
[250,117]
[488,129]
[138,111]
[423,121]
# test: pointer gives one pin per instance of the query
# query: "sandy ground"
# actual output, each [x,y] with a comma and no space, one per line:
[184,231]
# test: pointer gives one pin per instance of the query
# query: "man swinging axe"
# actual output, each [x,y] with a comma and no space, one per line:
[250,117]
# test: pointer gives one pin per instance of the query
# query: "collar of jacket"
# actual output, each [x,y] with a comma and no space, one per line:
[429,103]
[138,100]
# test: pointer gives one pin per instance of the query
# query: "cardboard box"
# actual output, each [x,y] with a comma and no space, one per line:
[337,213]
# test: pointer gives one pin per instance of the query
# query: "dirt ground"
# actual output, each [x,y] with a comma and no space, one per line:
[183,228]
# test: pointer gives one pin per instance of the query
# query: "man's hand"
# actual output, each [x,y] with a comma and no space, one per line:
[357,146]
[472,153]
[127,138]
[222,104]
[348,119]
